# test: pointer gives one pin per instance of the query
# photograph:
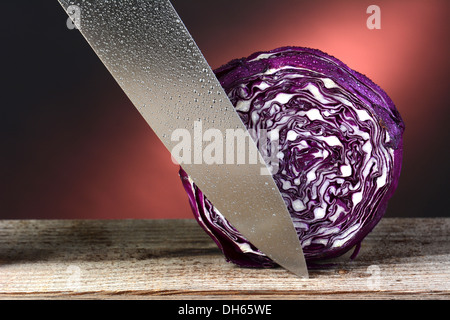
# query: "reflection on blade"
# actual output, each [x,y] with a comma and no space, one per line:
[152,56]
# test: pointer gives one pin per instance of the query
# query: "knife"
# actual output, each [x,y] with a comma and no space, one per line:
[150,53]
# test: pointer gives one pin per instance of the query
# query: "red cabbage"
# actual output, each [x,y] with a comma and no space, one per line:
[340,139]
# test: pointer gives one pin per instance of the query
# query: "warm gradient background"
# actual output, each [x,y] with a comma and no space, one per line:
[73,146]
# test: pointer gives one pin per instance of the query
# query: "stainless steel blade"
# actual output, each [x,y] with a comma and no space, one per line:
[152,56]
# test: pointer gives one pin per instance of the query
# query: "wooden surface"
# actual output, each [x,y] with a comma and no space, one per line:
[175,259]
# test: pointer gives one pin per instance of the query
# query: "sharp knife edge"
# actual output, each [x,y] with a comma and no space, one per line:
[154,59]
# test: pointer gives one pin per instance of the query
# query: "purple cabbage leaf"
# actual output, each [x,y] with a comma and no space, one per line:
[340,139]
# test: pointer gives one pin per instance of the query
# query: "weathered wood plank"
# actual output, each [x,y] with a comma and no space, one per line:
[175,259]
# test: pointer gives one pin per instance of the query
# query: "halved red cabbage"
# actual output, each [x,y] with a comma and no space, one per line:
[340,157]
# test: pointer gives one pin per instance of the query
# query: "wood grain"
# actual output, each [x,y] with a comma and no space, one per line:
[403,258]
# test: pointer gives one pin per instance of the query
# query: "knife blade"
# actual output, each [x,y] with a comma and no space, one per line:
[150,53]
